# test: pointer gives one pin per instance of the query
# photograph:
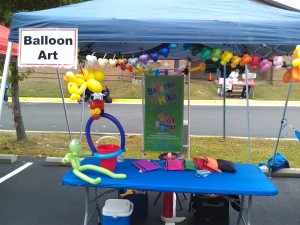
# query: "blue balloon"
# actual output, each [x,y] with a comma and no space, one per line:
[90,141]
[173,46]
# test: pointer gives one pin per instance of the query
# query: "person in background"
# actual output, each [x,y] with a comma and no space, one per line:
[243,94]
[7,86]
[233,75]
[106,93]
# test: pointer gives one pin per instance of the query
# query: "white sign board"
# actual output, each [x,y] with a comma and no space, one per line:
[48,47]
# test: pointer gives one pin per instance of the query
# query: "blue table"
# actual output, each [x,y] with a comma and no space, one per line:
[248,181]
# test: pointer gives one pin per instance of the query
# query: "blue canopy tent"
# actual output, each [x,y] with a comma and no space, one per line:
[135,27]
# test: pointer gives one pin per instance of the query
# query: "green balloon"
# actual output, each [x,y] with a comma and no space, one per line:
[75,145]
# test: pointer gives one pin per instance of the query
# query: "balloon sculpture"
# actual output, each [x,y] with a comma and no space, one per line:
[294,72]
[73,156]
[255,62]
[246,59]
[226,57]
[265,65]
[77,83]
[278,62]
[235,61]
[216,54]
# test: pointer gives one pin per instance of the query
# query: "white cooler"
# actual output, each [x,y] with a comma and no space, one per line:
[117,212]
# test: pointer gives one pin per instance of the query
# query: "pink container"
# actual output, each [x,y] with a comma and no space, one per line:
[109,164]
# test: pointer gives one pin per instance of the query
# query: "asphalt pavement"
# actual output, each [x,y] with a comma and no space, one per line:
[36,196]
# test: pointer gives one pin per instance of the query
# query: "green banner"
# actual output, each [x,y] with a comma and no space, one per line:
[164,97]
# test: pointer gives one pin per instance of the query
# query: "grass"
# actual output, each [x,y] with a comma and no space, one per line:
[234,149]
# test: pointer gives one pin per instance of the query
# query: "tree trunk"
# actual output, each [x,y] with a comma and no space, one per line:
[16,107]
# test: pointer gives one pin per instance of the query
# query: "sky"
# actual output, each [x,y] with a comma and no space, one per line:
[292,3]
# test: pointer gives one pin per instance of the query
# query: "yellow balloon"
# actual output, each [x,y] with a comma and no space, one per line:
[82,88]
[91,74]
[75,97]
[85,73]
[79,79]
[99,75]
[72,88]
[94,85]
[70,76]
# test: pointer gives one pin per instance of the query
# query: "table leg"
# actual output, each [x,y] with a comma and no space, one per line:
[86,204]
[169,210]
[249,210]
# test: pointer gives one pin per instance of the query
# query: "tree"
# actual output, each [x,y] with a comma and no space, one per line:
[7,8]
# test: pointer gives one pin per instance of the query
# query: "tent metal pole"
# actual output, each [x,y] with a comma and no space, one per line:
[189,109]
[281,124]
[143,108]
[64,104]
[248,114]
[5,73]
[224,102]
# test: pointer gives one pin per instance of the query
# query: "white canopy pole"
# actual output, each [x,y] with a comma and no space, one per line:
[5,73]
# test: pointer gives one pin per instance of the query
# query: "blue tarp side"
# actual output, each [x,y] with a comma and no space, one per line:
[209,22]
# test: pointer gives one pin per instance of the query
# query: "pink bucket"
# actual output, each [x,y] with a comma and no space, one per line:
[109,164]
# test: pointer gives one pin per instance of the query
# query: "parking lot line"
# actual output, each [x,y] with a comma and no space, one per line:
[16,171]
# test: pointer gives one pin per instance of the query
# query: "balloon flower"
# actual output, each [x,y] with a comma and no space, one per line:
[255,62]
[246,59]
[265,65]
[216,54]
[235,61]
[73,157]
[226,57]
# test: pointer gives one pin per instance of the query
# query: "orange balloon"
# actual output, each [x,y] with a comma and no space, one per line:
[246,59]
[287,77]
[296,75]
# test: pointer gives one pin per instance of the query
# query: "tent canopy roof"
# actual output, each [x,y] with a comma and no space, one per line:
[136,26]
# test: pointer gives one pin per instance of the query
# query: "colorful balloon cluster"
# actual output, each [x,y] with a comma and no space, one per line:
[77,83]
[294,73]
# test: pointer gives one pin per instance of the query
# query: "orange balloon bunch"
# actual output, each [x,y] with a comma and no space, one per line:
[293,74]
[246,59]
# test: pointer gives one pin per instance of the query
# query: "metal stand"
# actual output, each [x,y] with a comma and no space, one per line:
[281,124]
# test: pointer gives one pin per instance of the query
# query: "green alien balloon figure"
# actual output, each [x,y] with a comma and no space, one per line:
[73,156]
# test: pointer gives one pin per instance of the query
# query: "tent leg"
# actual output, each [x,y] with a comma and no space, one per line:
[248,114]
[5,73]
[224,103]
[281,124]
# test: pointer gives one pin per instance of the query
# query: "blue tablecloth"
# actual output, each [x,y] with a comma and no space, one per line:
[248,180]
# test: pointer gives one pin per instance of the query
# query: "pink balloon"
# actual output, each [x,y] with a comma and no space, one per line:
[278,62]
[265,65]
